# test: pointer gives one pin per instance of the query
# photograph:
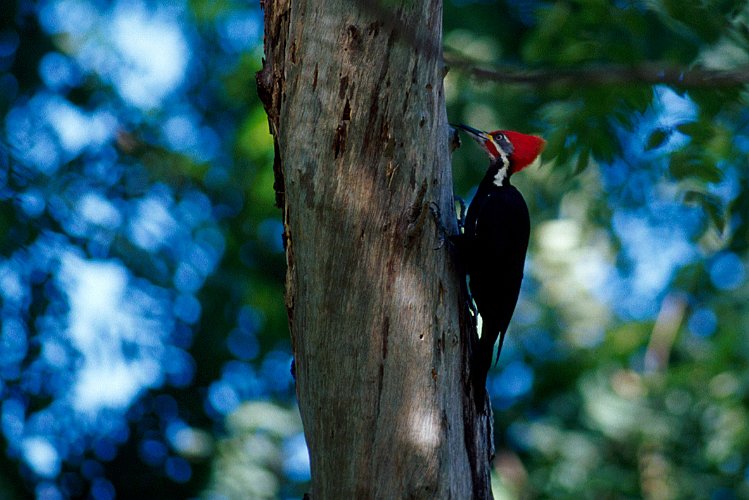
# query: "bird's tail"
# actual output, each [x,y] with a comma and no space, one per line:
[482,358]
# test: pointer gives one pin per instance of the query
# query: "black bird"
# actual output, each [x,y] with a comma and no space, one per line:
[494,241]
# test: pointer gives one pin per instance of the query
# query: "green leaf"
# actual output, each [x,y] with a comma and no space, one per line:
[710,204]
[709,171]
[657,138]
[698,131]
[681,165]
[582,161]
[603,146]
[685,164]
[554,145]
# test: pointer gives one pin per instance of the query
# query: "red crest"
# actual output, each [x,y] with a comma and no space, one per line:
[526,148]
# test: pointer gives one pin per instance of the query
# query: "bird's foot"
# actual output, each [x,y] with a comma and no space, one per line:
[453,138]
[441,230]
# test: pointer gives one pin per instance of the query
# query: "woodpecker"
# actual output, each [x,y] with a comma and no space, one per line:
[494,240]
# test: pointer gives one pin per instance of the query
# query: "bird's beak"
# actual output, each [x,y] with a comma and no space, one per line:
[478,135]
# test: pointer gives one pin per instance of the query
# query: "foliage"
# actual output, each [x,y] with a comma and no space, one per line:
[140,247]
[625,366]
[141,260]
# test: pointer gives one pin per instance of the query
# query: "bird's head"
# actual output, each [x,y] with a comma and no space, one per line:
[507,146]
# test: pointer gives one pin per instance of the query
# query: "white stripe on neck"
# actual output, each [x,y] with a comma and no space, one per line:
[499,179]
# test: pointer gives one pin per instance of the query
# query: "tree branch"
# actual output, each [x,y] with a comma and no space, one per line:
[648,73]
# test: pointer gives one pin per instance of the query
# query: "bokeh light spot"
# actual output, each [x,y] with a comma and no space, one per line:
[32,202]
[178,469]
[296,463]
[222,397]
[101,489]
[41,456]
[187,308]
[514,381]
[153,452]
[703,322]
[727,271]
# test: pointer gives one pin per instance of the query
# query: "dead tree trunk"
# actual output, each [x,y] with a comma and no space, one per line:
[354,95]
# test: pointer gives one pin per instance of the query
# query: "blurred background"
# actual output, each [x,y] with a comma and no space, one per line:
[144,349]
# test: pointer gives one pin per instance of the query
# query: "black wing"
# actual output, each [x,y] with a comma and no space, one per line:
[498,248]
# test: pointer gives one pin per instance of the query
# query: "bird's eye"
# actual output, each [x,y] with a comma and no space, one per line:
[500,137]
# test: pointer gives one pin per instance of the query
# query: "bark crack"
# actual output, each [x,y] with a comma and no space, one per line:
[416,216]
[381,372]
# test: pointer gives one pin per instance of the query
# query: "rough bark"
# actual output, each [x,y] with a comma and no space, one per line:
[354,95]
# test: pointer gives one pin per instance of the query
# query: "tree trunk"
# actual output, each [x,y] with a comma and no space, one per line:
[381,336]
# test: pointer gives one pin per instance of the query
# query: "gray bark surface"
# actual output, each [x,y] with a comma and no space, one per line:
[354,95]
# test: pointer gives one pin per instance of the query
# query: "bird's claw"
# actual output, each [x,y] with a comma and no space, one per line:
[440,228]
